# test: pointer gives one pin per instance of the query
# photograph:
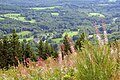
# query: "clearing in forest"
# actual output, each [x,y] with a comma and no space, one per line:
[18,17]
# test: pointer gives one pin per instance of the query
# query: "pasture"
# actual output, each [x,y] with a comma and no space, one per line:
[44,8]
[96,15]
[57,40]
[18,17]
[23,33]
[27,39]
[55,14]
[1,18]
[70,34]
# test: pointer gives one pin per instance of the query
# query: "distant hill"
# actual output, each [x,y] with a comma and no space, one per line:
[48,1]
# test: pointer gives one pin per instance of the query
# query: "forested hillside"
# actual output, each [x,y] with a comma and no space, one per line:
[51,19]
[59,39]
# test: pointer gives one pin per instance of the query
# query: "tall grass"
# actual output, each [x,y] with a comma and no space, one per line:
[93,62]
[96,63]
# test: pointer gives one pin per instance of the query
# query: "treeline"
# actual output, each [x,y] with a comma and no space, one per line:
[12,51]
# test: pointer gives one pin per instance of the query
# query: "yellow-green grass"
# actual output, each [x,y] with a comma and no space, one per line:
[70,34]
[44,8]
[1,18]
[103,4]
[96,14]
[18,17]
[55,14]
[57,40]
[23,33]
[27,39]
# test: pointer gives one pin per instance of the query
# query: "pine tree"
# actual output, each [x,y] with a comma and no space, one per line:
[66,44]
[80,41]
[15,48]
[44,50]
[28,51]
[41,50]
[4,57]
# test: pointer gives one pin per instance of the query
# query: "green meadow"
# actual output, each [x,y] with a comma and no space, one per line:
[23,33]
[44,8]
[55,14]
[18,17]
[103,5]
[96,14]
[1,18]
[27,39]
[57,40]
[70,34]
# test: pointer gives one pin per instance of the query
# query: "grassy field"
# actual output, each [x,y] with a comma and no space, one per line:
[103,4]
[27,39]
[23,33]
[1,18]
[18,17]
[44,8]
[96,14]
[57,40]
[55,14]
[70,34]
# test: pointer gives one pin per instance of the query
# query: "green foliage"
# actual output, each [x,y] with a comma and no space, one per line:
[80,41]
[15,48]
[66,44]
[45,50]
[95,63]
[17,17]
[10,51]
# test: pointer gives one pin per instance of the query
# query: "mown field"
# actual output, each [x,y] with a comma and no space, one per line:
[44,8]
[70,34]
[18,17]
[1,18]
[55,14]
[96,15]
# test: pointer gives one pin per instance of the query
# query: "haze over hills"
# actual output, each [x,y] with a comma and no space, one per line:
[46,1]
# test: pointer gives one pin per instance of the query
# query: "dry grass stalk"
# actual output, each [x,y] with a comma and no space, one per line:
[105,33]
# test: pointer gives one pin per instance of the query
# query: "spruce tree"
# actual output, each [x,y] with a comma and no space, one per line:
[41,50]
[4,53]
[45,50]
[80,41]
[66,44]
[15,48]
[28,51]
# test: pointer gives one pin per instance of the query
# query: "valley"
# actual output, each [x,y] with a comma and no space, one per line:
[51,22]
